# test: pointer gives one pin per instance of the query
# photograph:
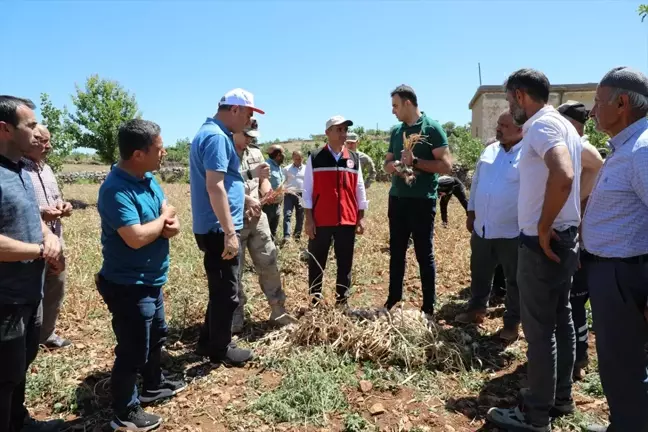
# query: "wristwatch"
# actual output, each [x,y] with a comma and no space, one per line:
[42,250]
[414,161]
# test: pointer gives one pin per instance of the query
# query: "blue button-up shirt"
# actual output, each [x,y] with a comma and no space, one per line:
[276,174]
[615,224]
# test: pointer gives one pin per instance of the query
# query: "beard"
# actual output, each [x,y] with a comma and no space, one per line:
[519,116]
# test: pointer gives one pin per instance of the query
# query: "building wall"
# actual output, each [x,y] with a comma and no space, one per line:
[489,106]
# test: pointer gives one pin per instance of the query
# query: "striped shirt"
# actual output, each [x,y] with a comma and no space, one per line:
[46,189]
[615,224]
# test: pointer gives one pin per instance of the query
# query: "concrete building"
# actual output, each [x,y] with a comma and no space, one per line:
[489,102]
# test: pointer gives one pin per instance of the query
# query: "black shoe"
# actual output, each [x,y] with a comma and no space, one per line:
[233,357]
[167,389]
[389,304]
[135,419]
[56,342]
[33,425]
[202,350]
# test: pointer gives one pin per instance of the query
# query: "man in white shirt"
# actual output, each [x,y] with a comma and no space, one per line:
[294,175]
[492,220]
[548,217]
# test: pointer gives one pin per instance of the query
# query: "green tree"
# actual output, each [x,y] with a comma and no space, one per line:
[179,153]
[58,124]
[100,109]
[643,11]
[465,148]
[596,138]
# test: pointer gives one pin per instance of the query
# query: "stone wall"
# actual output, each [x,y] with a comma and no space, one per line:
[167,174]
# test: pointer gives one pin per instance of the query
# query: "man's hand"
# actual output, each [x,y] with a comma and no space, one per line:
[470,221]
[50,214]
[231,246]
[407,157]
[57,267]
[360,227]
[309,226]
[168,211]
[171,228]
[65,208]
[389,167]
[51,248]
[253,206]
[262,171]
[545,235]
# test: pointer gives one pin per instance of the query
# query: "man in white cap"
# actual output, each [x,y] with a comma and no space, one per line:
[334,203]
[615,259]
[365,160]
[217,206]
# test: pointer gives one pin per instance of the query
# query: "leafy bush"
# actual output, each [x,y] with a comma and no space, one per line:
[179,153]
[465,148]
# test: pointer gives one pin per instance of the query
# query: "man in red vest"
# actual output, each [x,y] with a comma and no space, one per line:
[334,204]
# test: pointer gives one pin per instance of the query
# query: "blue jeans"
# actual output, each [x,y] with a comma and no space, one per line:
[141,330]
[291,202]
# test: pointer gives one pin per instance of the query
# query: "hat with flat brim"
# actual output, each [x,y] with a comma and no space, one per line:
[338,120]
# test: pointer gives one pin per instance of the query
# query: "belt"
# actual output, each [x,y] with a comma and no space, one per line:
[639,259]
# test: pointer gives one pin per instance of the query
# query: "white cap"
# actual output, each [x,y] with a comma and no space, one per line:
[239,97]
[337,120]
[352,137]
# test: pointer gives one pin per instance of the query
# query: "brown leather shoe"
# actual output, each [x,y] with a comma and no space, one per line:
[510,333]
[471,316]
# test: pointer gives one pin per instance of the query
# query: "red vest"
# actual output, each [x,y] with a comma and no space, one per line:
[334,187]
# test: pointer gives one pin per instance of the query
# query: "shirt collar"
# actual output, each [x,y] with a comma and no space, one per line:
[513,149]
[220,124]
[30,165]
[536,116]
[9,164]
[129,177]
[627,133]
[272,162]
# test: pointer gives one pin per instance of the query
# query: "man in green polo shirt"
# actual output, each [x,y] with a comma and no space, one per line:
[412,207]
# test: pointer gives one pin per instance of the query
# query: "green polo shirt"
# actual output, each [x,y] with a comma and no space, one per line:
[425,185]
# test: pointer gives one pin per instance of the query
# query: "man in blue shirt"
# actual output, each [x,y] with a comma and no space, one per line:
[26,244]
[136,225]
[275,159]
[615,257]
[217,205]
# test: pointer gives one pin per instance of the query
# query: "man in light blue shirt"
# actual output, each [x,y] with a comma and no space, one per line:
[615,237]
[492,220]
[217,204]
[275,159]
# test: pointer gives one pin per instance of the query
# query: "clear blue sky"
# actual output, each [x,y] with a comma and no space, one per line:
[308,60]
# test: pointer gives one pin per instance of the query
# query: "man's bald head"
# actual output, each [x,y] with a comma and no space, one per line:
[508,133]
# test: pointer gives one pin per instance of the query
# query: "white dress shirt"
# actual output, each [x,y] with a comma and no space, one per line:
[542,132]
[295,176]
[494,192]
[307,198]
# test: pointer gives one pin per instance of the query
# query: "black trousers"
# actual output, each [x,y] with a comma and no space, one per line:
[415,217]
[578,297]
[499,282]
[222,280]
[19,334]
[458,191]
[343,238]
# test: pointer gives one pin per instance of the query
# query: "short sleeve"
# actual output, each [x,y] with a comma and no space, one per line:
[217,153]
[436,136]
[118,209]
[545,135]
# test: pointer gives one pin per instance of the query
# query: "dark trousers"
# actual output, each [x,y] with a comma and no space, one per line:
[547,321]
[459,192]
[619,291]
[499,281]
[343,238]
[291,203]
[222,280]
[578,297]
[486,254]
[19,334]
[273,211]
[415,217]
[140,329]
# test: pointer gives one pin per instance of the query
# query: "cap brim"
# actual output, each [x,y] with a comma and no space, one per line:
[346,123]
[252,134]
[260,111]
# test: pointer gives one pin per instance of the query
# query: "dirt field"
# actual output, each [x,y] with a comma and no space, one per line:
[304,388]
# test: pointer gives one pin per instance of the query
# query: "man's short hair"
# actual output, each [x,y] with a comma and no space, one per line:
[9,106]
[136,134]
[406,92]
[532,82]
